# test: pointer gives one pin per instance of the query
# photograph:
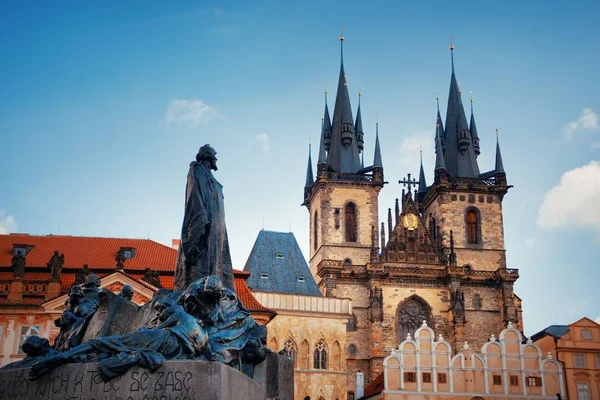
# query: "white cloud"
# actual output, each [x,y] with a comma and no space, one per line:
[574,201]
[189,113]
[264,140]
[409,151]
[587,121]
[8,223]
[595,145]
[531,241]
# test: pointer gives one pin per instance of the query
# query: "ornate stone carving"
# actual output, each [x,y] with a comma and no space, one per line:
[18,265]
[410,316]
[376,304]
[55,265]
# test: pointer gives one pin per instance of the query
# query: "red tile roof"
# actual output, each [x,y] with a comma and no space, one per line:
[96,252]
[374,387]
[244,293]
[27,301]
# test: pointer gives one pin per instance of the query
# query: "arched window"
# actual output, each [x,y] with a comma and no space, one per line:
[352,350]
[477,302]
[352,325]
[410,316]
[320,355]
[350,222]
[316,232]
[432,227]
[472,227]
[336,357]
[290,350]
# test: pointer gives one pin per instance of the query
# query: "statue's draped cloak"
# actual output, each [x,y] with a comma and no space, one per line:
[204,248]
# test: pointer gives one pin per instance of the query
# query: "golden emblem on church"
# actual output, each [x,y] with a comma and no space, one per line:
[411,221]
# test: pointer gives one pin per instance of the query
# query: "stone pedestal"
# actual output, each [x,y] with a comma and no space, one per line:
[16,290]
[53,290]
[174,380]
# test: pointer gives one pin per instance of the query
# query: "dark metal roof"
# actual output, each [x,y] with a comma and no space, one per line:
[359,128]
[422,183]
[555,331]
[499,164]
[377,162]
[276,264]
[460,161]
[473,129]
[309,171]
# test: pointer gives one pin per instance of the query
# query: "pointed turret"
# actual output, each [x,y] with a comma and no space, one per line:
[343,155]
[439,130]
[309,172]
[326,128]
[322,160]
[422,183]
[359,128]
[473,130]
[459,154]
[499,169]
[439,154]
[377,162]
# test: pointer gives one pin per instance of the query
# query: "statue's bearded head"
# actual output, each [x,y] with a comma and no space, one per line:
[206,152]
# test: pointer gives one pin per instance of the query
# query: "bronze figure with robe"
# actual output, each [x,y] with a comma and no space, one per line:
[204,248]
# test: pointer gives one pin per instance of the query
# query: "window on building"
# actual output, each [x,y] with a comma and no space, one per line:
[441,377]
[534,381]
[477,302]
[26,331]
[280,256]
[583,391]
[301,279]
[426,377]
[352,350]
[350,222]
[320,355]
[472,227]
[347,261]
[497,379]
[410,316]
[290,350]
[315,231]
[514,380]
[598,361]
[586,334]
[351,396]
[264,275]
[432,227]
[352,325]
[21,251]
[128,252]
[579,360]
[410,377]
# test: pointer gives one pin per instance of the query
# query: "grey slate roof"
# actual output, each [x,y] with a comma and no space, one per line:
[474,135]
[422,183]
[275,264]
[458,163]
[499,164]
[377,162]
[309,172]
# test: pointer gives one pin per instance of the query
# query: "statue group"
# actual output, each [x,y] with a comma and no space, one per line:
[202,319]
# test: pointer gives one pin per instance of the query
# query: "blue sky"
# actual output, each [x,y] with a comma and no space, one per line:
[104,105]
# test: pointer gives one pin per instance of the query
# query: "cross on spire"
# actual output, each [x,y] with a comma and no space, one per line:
[409,183]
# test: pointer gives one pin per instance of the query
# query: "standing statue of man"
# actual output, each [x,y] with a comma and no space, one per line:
[204,248]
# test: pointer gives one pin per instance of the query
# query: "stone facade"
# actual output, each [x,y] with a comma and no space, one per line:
[301,325]
[426,366]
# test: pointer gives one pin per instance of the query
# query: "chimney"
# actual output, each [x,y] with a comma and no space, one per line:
[175,243]
[360,385]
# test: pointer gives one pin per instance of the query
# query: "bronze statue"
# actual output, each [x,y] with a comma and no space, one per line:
[82,274]
[204,246]
[127,292]
[56,265]
[152,277]
[120,259]
[18,265]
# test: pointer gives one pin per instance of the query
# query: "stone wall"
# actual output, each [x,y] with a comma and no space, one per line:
[449,210]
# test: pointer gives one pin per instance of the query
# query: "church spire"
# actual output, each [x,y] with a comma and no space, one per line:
[309,172]
[343,153]
[359,127]
[439,154]
[422,183]
[326,127]
[473,130]
[499,165]
[459,154]
[377,162]
[322,146]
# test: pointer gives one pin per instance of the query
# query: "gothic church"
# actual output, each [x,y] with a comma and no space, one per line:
[438,258]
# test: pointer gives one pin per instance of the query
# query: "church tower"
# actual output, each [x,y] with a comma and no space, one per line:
[342,200]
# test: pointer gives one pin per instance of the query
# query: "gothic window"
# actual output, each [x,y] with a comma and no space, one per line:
[320,355]
[410,316]
[477,302]
[473,227]
[315,232]
[351,325]
[289,350]
[350,222]
[432,227]
[352,350]
[347,261]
